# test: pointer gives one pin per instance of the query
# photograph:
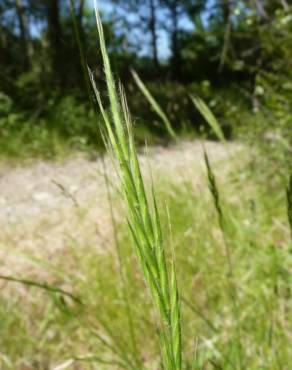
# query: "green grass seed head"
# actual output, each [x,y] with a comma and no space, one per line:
[144,223]
[214,190]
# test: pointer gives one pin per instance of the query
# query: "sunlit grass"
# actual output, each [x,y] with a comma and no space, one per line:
[216,266]
[143,216]
[60,330]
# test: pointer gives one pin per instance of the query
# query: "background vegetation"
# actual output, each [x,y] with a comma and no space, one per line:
[235,54]
[215,253]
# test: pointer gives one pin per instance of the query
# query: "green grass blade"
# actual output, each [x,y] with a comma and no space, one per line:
[174,306]
[175,318]
[156,107]
[209,116]
[43,286]
[231,279]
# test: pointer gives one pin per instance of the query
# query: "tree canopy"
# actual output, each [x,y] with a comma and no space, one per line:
[240,48]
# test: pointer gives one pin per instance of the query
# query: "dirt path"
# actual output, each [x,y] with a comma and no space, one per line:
[48,205]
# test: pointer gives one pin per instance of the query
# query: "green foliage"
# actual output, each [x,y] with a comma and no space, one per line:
[238,62]
[251,234]
[70,126]
[5,105]
[76,121]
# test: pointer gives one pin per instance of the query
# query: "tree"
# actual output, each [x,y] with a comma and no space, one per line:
[55,40]
[24,31]
[176,12]
[144,17]
[174,9]
[153,30]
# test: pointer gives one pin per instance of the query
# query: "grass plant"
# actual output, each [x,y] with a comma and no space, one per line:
[236,305]
[226,241]
[143,221]
[96,335]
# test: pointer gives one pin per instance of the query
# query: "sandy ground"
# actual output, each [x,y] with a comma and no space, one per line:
[45,206]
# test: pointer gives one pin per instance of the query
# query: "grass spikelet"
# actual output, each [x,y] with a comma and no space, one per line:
[143,216]
[156,107]
[217,203]
[230,276]
[209,116]
[214,191]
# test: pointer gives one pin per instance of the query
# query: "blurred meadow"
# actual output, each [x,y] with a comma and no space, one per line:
[146,184]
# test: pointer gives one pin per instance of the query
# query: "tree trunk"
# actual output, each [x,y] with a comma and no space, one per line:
[24,36]
[176,54]
[225,10]
[55,41]
[153,31]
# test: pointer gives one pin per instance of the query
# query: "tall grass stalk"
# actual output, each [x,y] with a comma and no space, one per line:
[132,332]
[156,107]
[143,219]
[230,273]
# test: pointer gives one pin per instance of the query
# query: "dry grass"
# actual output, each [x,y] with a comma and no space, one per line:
[87,267]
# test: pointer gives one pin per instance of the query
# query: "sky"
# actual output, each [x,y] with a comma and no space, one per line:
[108,9]
[163,51]
[163,42]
